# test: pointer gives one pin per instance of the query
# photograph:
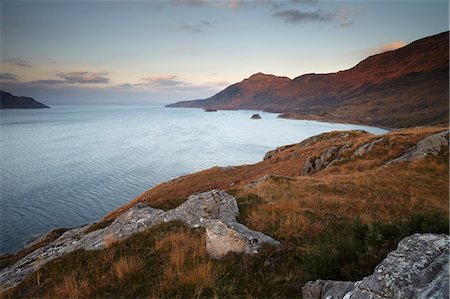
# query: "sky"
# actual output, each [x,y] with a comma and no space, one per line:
[144,52]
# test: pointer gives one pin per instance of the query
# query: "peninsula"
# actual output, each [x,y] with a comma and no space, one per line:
[9,101]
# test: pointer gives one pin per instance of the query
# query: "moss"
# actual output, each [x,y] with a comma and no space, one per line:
[9,259]
[246,204]
[345,251]
[168,204]
[350,251]
[99,225]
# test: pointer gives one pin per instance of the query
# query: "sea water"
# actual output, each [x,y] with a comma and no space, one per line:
[70,165]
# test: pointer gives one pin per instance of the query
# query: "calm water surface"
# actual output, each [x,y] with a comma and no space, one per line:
[70,165]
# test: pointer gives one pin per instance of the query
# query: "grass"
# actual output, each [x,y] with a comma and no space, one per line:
[9,259]
[126,265]
[170,260]
[336,224]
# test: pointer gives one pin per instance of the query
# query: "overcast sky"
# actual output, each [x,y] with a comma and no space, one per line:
[157,52]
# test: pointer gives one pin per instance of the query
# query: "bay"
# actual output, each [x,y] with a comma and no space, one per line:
[70,165]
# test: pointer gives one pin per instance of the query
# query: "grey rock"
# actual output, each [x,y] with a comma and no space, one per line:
[200,207]
[367,147]
[214,210]
[430,145]
[226,168]
[418,268]
[327,289]
[276,151]
[327,158]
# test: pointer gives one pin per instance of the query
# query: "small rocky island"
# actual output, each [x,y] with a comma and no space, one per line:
[255,116]
[209,110]
[9,101]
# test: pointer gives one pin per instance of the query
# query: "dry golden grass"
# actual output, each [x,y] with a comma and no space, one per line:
[71,287]
[109,240]
[126,265]
[188,264]
[303,206]
[295,211]
[358,187]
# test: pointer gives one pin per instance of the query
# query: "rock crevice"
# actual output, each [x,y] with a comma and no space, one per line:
[430,145]
[215,210]
[418,268]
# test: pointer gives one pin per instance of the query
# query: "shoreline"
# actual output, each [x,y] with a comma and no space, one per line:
[33,238]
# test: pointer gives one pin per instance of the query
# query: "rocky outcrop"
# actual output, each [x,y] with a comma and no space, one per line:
[276,151]
[329,289]
[255,116]
[367,147]
[418,268]
[431,145]
[215,210]
[329,156]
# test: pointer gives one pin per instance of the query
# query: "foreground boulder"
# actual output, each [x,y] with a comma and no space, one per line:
[215,210]
[430,145]
[418,268]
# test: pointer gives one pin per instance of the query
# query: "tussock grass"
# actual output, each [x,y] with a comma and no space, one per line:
[126,265]
[336,224]
[70,287]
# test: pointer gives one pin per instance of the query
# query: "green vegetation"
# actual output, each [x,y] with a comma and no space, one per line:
[170,260]
[349,251]
[9,259]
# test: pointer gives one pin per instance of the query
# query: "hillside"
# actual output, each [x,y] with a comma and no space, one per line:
[337,203]
[9,101]
[401,88]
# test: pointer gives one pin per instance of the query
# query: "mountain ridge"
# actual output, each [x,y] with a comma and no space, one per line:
[399,88]
[9,101]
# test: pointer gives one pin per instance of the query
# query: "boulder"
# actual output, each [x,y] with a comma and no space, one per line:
[255,116]
[418,268]
[367,147]
[430,145]
[327,157]
[327,289]
[215,210]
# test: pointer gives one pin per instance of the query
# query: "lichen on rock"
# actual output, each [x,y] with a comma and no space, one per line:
[418,268]
[215,210]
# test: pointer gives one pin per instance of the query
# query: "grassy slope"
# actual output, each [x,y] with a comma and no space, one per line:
[337,224]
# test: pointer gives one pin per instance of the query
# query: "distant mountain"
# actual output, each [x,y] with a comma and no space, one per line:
[405,87]
[9,101]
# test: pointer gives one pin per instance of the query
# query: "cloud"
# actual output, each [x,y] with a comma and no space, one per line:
[16,62]
[83,77]
[231,4]
[200,27]
[171,83]
[162,81]
[392,46]
[343,16]
[386,47]
[49,81]
[298,16]
[8,77]
[346,24]
[155,83]
[305,1]
[73,78]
